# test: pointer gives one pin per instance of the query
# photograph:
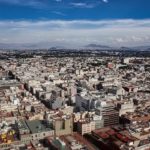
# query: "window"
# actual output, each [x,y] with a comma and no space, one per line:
[62,125]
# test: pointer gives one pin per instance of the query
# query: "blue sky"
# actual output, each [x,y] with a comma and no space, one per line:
[79,22]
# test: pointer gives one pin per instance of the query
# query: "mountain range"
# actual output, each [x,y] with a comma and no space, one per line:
[46,45]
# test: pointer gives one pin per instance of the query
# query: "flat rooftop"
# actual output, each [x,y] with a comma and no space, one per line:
[37,126]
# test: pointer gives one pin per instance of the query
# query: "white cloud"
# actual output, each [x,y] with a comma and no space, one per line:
[31,3]
[83,5]
[77,32]
[58,13]
[45,4]
[58,0]
[105,1]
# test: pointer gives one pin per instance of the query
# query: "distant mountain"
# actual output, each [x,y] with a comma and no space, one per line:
[144,48]
[125,48]
[56,48]
[49,46]
[137,48]
[53,46]
[97,46]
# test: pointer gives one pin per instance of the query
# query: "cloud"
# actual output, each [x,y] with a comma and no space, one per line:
[58,0]
[84,5]
[77,32]
[31,3]
[78,24]
[51,4]
[105,1]
[59,13]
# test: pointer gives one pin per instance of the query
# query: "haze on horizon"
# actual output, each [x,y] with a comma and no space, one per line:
[75,22]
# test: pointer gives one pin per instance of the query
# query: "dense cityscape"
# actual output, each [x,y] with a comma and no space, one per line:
[74,74]
[74,102]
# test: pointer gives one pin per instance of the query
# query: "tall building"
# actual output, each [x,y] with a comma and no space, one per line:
[109,114]
[63,125]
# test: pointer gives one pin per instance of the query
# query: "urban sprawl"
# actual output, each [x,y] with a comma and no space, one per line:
[80,102]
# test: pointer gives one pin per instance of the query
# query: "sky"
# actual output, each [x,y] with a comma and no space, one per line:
[75,22]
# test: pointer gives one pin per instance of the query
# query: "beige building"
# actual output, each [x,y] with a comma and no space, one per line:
[86,127]
[63,125]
